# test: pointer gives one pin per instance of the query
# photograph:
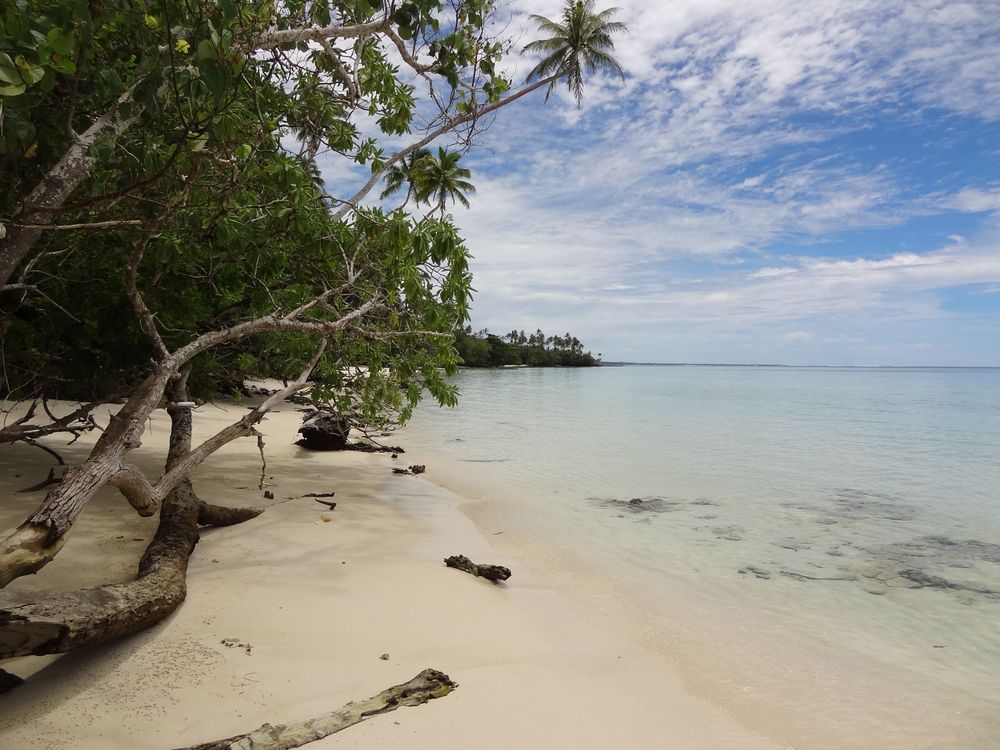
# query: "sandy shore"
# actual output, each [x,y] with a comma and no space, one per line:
[320,595]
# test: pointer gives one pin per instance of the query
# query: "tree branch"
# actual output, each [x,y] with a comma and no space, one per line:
[276,37]
[182,467]
[88,225]
[60,181]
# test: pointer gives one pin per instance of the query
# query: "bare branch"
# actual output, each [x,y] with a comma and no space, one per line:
[407,57]
[88,225]
[269,324]
[138,490]
[276,37]
[182,467]
[146,318]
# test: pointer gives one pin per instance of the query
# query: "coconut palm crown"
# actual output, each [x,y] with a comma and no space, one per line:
[440,178]
[581,42]
[406,170]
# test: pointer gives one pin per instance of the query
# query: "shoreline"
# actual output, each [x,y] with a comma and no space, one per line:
[320,601]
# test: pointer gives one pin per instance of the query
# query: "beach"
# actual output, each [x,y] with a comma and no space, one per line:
[313,599]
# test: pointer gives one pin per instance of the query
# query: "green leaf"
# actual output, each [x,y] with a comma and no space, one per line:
[8,72]
[213,76]
[198,142]
[63,65]
[11,90]
[207,51]
[242,151]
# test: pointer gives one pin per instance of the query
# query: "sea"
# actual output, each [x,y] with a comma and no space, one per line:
[817,550]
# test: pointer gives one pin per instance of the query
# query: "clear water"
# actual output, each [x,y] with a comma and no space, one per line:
[818,549]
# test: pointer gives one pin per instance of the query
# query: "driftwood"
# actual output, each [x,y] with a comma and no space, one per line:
[415,469]
[495,573]
[426,686]
[324,431]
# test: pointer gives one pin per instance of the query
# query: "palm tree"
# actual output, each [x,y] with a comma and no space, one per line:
[440,178]
[581,41]
[407,170]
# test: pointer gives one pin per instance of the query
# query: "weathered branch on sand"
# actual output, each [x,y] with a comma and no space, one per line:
[78,421]
[495,573]
[426,686]
[88,617]
[40,538]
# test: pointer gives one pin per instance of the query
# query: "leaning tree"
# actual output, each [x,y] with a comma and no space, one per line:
[166,231]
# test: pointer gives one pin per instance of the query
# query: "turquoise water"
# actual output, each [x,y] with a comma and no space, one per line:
[818,549]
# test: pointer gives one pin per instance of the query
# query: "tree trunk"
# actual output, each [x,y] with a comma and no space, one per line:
[37,541]
[88,617]
[66,175]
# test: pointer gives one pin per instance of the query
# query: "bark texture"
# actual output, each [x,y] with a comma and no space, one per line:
[495,573]
[426,686]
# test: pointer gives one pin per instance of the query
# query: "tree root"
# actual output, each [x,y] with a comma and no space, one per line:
[426,686]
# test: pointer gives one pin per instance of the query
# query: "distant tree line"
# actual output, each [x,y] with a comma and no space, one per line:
[485,349]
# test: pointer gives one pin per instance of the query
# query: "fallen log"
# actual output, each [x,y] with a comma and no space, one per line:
[426,686]
[495,573]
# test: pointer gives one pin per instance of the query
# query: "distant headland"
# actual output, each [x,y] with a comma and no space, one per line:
[518,349]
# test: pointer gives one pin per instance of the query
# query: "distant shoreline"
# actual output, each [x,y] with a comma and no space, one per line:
[799,367]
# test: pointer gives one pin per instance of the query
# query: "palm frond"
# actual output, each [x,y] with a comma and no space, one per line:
[582,40]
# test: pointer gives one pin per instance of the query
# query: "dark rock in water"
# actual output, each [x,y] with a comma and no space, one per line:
[325,431]
[728,533]
[957,565]
[643,504]
[855,505]
[268,494]
[758,572]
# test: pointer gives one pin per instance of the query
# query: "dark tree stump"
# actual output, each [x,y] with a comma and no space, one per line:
[325,431]
[495,573]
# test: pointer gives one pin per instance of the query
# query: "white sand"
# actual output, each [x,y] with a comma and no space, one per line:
[320,602]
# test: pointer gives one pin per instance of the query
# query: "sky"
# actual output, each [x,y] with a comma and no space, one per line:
[775,181]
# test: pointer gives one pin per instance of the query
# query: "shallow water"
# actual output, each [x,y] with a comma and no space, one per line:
[818,548]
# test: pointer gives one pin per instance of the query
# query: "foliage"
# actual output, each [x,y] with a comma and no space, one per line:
[485,349]
[244,227]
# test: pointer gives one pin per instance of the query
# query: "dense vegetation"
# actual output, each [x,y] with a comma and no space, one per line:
[485,349]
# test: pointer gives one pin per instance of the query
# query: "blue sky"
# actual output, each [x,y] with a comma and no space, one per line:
[775,181]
